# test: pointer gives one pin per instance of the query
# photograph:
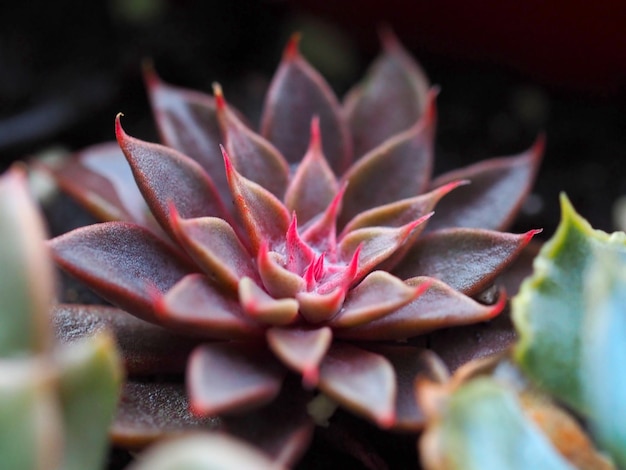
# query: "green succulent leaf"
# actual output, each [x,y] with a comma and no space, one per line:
[89,385]
[30,425]
[483,426]
[26,277]
[604,350]
[549,309]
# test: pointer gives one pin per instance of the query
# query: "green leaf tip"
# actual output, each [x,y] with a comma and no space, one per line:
[549,309]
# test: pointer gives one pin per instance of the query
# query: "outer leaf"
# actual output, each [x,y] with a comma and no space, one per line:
[391,97]
[195,307]
[497,190]
[297,93]
[26,288]
[231,377]
[466,259]
[439,307]
[482,426]
[204,451]
[301,349]
[165,177]
[604,349]
[151,411]
[90,382]
[100,178]
[361,381]
[253,156]
[398,168]
[31,427]
[145,348]
[548,311]
[122,262]
[264,308]
[187,121]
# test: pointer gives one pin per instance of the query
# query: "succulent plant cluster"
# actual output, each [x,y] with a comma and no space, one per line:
[56,402]
[309,247]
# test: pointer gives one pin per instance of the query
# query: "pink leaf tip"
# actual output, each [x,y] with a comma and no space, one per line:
[150,77]
[218,94]
[528,236]
[316,136]
[386,420]
[292,49]
[119,131]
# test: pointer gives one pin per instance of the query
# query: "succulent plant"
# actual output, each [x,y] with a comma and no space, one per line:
[297,248]
[529,402]
[56,403]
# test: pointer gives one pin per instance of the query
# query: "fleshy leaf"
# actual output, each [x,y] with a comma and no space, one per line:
[151,411]
[27,285]
[31,427]
[391,97]
[398,168]
[297,93]
[497,190]
[377,295]
[318,307]
[145,348]
[195,307]
[439,307]
[466,259]
[548,311]
[300,349]
[214,245]
[262,307]
[481,425]
[232,377]
[208,451]
[165,177]
[360,381]
[313,186]
[187,121]
[100,178]
[254,157]
[90,382]
[604,350]
[264,216]
[122,262]
[277,280]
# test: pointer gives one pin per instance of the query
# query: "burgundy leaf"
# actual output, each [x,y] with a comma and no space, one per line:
[187,122]
[498,188]
[152,411]
[378,243]
[409,363]
[100,179]
[522,267]
[399,168]
[166,177]
[264,217]
[466,259]
[195,307]
[145,348]
[232,377]
[377,295]
[283,429]
[254,157]
[263,308]
[297,93]
[360,381]
[401,212]
[214,245]
[457,346]
[301,349]
[124,263]
[391,97]
[313,186]
[439,307]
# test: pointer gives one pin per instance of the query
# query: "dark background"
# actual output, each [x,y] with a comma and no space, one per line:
[507,70]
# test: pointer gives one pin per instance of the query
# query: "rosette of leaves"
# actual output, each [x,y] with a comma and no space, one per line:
[56,403]
[292,250]
[566,368]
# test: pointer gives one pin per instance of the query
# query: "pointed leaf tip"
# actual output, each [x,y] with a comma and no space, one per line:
[292,49]
[316,137]
[218,94]
[150,77]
